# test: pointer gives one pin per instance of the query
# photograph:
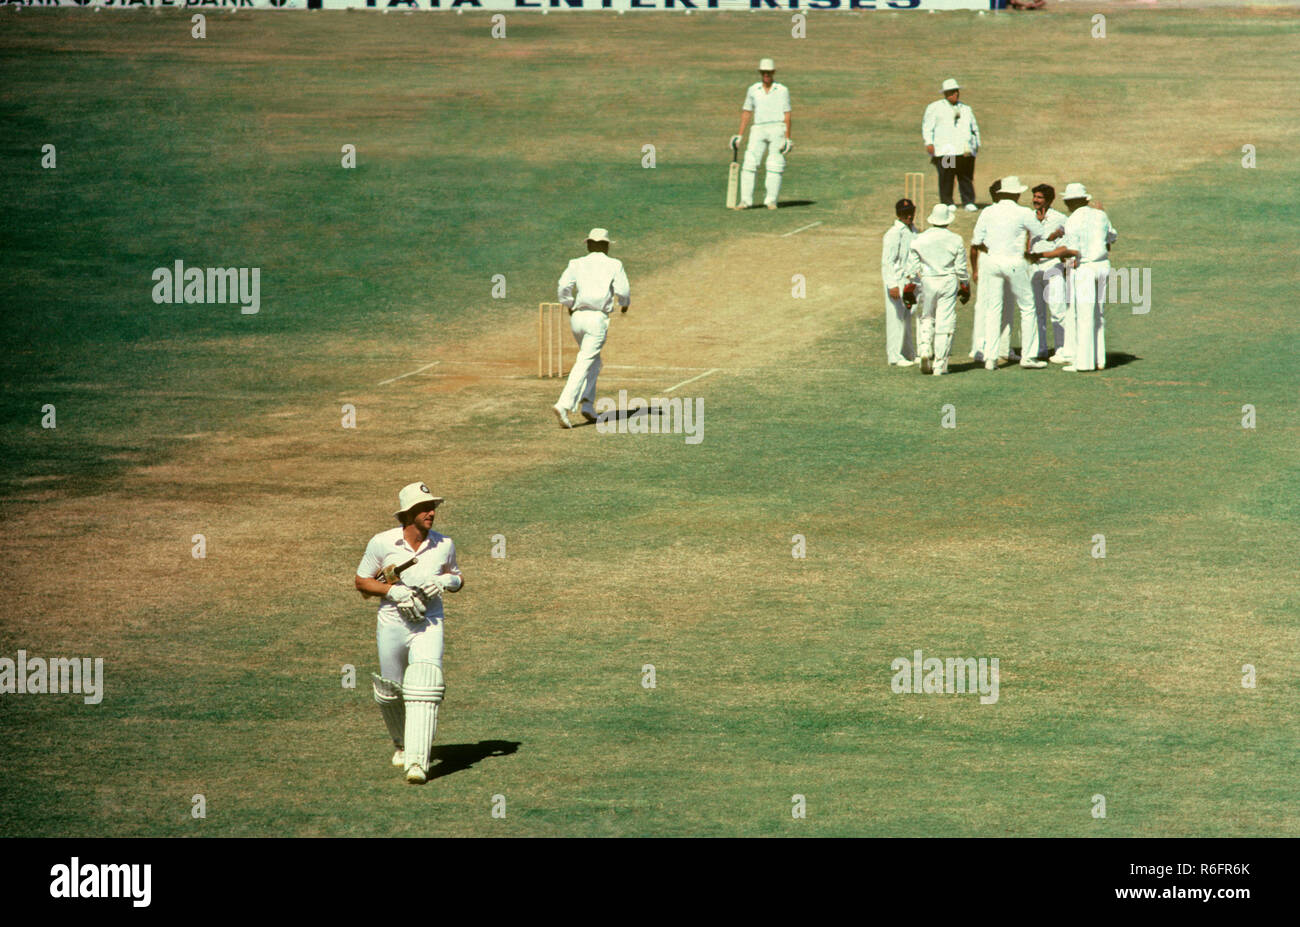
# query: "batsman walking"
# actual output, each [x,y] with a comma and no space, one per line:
[410,567]
[589,288]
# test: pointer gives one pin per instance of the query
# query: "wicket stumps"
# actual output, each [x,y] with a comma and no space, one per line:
[550,339]
[914,190]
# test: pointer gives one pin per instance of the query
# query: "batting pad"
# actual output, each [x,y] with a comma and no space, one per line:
[423,689]
[388,696]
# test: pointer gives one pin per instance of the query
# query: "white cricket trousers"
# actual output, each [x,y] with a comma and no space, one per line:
[1090,282]
[765,139]
[938,305]
[898,329]
[401,643]
[1052,301]
[1003,274]
[589,327]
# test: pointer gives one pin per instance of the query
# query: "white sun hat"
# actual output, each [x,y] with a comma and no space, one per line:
[1012,184]
[413,494]
[767,64]
[1075,191]
[940,215]
[598,235]
[949,84]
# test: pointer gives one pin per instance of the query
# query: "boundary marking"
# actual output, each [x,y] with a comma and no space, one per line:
[693,379]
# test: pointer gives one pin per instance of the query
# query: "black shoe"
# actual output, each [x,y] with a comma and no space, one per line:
[926,365]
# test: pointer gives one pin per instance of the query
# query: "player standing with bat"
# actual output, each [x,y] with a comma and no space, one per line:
[767,103]
[410,566]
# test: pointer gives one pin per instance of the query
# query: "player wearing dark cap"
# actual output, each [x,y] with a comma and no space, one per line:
[900,349]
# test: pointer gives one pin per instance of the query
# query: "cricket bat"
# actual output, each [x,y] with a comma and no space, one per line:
[733,178]
[391,574]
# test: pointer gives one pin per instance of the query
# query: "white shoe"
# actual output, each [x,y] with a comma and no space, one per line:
[940,369]
[740,206]
[1059,358]
[971,207]
[905,363]
[589,412]
[1070,368]
[770,205]
[399,758]
[415,774]
[990,365]
[563,416]
[1032,364]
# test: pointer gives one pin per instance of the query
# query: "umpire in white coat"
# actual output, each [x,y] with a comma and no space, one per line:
[952,140]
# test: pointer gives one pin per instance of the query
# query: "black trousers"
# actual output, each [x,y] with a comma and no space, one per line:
[963,170]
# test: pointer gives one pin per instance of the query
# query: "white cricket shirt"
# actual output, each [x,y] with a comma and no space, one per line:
[1001,228]
[770,106]
[593,282]
[436,557]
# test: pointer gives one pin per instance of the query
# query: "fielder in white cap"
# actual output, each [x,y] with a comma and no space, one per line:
[588,288]
[408,628]
[952,140]
[1003,234]
[937,257]
[1088,237]
[767,103]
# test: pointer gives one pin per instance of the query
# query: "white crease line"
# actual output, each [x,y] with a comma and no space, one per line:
[648,367]
[411,374]
[802,228]
[693,379]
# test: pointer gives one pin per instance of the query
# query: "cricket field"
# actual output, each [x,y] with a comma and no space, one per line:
[657,636]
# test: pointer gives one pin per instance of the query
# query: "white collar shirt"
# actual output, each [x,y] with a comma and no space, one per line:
[594,282]
[1002,228]
[1089,232]
[893,252]
[436,556]
[952,130]
[938,252]
[1051,221]
[769,106]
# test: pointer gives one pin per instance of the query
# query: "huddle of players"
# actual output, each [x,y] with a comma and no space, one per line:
[1070,258]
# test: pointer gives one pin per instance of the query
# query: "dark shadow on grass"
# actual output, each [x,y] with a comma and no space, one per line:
[787,204]
[1116,359]
[616,417]
[453,758]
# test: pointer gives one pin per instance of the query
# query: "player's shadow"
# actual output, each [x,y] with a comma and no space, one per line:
[787,204]
[1117,359]
[453,758]
[616,417]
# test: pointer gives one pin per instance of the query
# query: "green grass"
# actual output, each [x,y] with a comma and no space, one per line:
[1119,676]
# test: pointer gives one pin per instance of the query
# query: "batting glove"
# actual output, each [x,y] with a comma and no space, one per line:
[785,149]
[735,143]
[431,589]
[401,596]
